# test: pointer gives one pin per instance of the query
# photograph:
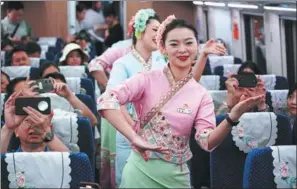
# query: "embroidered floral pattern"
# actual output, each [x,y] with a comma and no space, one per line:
[158,132]
[251,144]
[147,65]
[202,138]
[289,180]
[96,65]
[108,100]
[175,88]
[21,180]
[279,102]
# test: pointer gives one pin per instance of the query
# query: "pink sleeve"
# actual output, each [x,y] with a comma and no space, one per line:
[205,121]
[106,60]
[130,90]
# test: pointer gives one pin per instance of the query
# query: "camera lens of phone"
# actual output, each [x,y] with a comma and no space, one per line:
[43,105]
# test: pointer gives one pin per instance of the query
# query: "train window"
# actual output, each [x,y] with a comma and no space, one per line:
[255,40]
[290,39]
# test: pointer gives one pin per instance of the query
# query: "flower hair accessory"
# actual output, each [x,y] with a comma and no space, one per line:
[162,28]
[141,18]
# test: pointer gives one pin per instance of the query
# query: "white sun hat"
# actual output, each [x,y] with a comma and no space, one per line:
[71,47]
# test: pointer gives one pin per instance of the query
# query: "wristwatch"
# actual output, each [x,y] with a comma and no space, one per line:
[230,121]
[49,136]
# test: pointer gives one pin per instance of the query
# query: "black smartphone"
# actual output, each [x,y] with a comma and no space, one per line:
[246,80]
[41,104]
[44,85]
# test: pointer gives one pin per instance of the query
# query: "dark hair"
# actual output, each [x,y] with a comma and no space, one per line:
[14,5]
[292,89]
[155,17]
[109,11]
[33,47]
[6,75]
[56,76]
[251,65]
[19,48]
[12,84]
[81,7]
[47,65]
[178,23]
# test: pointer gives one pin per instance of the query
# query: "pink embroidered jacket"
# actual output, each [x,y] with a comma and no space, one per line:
[171,127]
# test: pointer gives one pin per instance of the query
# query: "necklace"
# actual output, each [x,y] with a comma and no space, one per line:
[147,65]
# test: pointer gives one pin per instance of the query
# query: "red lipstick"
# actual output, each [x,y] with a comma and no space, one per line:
[183,58]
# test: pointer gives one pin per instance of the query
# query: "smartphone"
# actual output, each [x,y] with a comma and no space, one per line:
[41,104]
[89,185]
[44,85]
[246,80]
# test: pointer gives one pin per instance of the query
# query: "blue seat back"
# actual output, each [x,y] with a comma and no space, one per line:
[281,83]
[227,161]
[88,101]
[87,84]
[258,169]
[34,73]
[81,170]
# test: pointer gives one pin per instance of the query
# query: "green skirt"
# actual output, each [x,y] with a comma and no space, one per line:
[155,173]
[108,153]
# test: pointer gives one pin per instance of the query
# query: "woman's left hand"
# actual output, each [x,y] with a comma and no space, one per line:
[245,106]
[212,47]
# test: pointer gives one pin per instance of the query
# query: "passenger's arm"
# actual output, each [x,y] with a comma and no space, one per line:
[6,134]
[77,104]
[62,89]
[56,145]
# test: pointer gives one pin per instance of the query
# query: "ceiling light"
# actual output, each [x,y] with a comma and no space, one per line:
[198,2]
[2,3]
[245,6]
[215,4]
[279,8]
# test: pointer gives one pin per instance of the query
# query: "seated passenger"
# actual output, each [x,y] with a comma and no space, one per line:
[33,50]
[5,79]
[73,55]
[250,67]
[291,103]
[48,68]
[234,92]
[34,131]
[62,89]
[19,57]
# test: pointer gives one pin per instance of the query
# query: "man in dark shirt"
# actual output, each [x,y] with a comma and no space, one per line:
[114,33]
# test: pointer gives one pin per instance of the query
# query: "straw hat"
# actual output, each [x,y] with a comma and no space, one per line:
[71,47]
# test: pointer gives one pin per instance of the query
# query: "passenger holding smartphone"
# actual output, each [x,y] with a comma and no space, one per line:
[34,130]
[62,89]
[236,94]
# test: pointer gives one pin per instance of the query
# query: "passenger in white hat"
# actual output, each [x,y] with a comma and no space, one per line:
[73,55]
